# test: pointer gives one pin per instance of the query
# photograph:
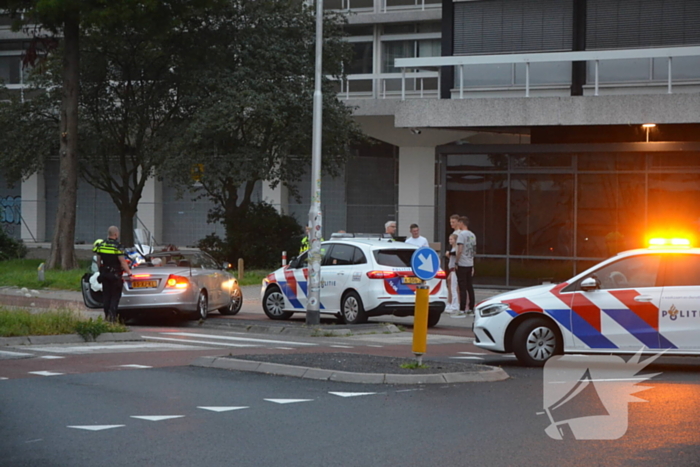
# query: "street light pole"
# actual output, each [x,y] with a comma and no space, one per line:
[313,306]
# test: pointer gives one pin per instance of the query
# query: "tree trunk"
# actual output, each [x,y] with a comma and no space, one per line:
[126,226]
[62,245]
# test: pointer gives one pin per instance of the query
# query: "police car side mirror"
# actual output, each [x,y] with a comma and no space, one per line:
[589,283]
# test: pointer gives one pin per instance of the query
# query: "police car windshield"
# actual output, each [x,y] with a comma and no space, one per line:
[394,258]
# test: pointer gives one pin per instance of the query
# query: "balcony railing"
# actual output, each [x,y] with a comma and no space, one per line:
[593,58]
[417,84]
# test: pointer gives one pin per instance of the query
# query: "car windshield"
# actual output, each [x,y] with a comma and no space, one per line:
[398,258]
[182,259]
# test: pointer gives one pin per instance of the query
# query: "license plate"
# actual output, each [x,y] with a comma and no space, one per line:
[411,280]
[144,284]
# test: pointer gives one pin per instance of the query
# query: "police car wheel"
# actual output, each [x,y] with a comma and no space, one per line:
[536,341]
[273,304]
[202,305]
[235,303]
[352,309]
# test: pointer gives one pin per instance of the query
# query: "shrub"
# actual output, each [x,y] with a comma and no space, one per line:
[258,234]
[11,248]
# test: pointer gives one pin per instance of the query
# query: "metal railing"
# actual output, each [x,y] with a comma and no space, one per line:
[596,57]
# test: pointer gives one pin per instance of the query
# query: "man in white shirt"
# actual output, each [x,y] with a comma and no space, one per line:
[416,238]
[466,249]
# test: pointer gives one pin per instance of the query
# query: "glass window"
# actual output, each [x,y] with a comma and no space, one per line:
[359,30]
[541,214]
[526,272]
[544,73]
[610,214]
[399,28]
[605,161]
[430,27]
[399,258]
[480,162]
[681,270]
[489,271]
[361,58]
[340,255]
[661,160]
[359,257]
[483,198]
[541,160]
[673,203]
[485,75]
[394,50]
[616,71]
[429,48]
[9,70]
[681,68]
[627,273]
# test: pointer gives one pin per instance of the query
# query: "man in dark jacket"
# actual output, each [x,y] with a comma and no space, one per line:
[111,263]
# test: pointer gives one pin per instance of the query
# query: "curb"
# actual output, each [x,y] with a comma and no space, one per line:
[69,339]
[487,374]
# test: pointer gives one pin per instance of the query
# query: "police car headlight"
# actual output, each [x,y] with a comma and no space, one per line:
[493,309]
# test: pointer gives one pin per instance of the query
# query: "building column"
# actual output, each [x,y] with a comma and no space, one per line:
[278,197]
[150,209]
[33,209]
[417,191]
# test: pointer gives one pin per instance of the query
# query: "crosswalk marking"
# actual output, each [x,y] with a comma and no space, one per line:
[156,418]
[221,409]
[288,401]
[87,348]
[95,427]
[198,342]
[243,339]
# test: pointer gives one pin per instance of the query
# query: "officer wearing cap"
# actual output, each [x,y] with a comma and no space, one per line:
[111,263]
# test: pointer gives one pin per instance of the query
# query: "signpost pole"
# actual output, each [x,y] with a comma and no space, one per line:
[313,307]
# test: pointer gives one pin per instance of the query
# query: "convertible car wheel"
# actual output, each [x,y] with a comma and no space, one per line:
[202,305]
[235,304]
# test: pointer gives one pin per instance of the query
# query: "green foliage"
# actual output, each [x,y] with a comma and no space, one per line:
[23,323]
[11,248]
[23,273]
[259,235]
[90,329]
[414,366]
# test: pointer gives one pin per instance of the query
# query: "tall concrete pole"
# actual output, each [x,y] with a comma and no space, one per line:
[313,306]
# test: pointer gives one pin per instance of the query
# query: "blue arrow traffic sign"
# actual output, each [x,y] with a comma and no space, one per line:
[425,263]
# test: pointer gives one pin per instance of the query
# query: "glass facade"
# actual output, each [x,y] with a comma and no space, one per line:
[545,216]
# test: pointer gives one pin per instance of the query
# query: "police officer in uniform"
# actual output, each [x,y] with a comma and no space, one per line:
[111,263]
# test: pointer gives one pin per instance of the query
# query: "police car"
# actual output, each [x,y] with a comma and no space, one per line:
[640,299]
[360,278]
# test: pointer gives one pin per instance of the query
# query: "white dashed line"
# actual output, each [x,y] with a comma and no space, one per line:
[198,342]
[351,394]
[51,357]
[94,427]
[244,339]
[222,409]
[156,418]
[342,346]
[15,354]
[467,358]
[288,401]
[135,366]
[44,373]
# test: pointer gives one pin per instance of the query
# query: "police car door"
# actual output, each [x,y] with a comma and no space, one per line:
[336,269]
[679,314]
[622,311]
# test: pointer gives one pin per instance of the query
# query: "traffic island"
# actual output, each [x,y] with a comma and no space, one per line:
[356,368]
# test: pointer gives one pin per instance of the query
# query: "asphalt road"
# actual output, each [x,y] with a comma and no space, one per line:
[234,418]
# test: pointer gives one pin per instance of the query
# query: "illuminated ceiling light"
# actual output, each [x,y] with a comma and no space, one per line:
[647,127]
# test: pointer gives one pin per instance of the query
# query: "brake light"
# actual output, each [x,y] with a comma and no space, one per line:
[140,276]
[381,274]
[176,282]
[441,274]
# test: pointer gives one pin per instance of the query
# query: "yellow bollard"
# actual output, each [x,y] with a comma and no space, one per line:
[240,269]
[420,322]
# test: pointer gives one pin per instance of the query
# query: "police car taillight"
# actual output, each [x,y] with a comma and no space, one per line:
[441,274]
[381,274]
[176,282]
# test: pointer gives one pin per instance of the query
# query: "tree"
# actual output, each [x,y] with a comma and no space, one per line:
[254,120]
[134,71]
[60,18]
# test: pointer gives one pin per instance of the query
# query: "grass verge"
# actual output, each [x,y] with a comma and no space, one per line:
[24,273]
[23,323]
[252,277]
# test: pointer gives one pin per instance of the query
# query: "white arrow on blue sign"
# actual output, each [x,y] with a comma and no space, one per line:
[425,263]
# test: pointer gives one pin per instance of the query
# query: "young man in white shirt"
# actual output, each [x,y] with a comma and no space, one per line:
[416,238]
[466,249]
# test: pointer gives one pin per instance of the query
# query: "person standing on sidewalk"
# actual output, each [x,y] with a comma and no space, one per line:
[416,238]
[452,289]
[466,249]
[389,229]
[111,263]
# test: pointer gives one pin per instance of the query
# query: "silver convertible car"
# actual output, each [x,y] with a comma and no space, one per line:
[177,282]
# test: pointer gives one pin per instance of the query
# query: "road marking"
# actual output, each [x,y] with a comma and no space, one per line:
[377,346]
[246,339]
[92,348]
[133,365]
[51,357]
[2,377]
[222,409]
[44,373]
[351,394]
[94,427]
[284,348]
[467,358]
[288,401]
[342,346]
[156,418]
[198,342]
[15,354]
[472,353]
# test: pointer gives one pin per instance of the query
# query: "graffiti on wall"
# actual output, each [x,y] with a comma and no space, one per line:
[10,210]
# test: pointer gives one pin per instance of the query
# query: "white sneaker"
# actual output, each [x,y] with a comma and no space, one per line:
[449,311]
[459,314]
